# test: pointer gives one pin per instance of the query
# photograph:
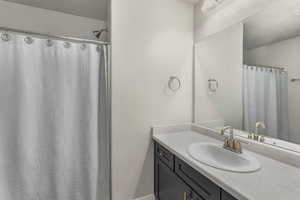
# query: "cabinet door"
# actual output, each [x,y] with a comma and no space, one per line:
[194,196]
[167,185]
[202,185]
[226,196]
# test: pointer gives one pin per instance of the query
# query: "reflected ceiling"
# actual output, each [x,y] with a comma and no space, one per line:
[279,21]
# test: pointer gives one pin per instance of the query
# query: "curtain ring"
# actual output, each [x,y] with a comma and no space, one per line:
[49,43]
[28,40]
[5,37]
[83,46]
[67,45]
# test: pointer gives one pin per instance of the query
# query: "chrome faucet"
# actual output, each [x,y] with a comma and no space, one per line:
[225,128]
[230,143]
[257,136]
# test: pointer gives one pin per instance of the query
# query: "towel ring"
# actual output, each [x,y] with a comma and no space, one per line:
[171,83]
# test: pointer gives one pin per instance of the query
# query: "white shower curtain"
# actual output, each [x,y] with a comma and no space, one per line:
[50,129]
[265,100]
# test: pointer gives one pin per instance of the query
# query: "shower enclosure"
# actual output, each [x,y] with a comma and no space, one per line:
[265,99]
[54,117]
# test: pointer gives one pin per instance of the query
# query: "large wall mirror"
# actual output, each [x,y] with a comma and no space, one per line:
[248,76]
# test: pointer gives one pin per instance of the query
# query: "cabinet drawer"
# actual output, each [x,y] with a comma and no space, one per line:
[164,155]
[202,185]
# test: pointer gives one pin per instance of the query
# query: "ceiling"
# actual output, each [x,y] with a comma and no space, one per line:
[192,1]
[96,9]
[279,21]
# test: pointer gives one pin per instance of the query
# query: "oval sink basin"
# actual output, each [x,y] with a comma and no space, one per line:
[216,156]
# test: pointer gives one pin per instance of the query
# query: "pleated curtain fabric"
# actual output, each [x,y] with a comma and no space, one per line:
[51,131]
[265,99]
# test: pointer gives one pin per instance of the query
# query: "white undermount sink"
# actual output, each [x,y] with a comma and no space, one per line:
[216,156]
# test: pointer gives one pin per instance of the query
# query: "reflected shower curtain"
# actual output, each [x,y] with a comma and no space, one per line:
[265,99]
[54,128]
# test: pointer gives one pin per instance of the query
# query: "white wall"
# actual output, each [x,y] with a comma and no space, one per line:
[234,12]
[23,17]
[284,54]
[151,41]
[220,57]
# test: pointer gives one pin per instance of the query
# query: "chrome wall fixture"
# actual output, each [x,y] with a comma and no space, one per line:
[98,33]
[174,83]
[213,85]
[295,79]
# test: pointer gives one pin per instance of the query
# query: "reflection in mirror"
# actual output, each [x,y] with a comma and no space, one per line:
[218,79]
[257,66]
[272,44]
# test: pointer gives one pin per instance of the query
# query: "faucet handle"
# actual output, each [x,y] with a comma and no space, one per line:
[261,138]
[237,146]
[226,142]
[251,135]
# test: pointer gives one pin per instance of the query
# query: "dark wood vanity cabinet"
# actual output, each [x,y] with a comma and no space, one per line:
[169,186]
[226,196]
[176,180]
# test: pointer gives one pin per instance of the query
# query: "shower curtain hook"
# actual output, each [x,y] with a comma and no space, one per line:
[67,45]
[28,40]
[5,36]
[49,43]
[83,46]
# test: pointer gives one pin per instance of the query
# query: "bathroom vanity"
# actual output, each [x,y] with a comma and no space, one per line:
[179,176]
[176,180]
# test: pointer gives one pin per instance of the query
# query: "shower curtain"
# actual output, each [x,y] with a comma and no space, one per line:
[54,120]
[265,99]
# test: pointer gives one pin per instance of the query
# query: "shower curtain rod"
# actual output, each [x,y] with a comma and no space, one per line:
[56,37]
[268,67]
